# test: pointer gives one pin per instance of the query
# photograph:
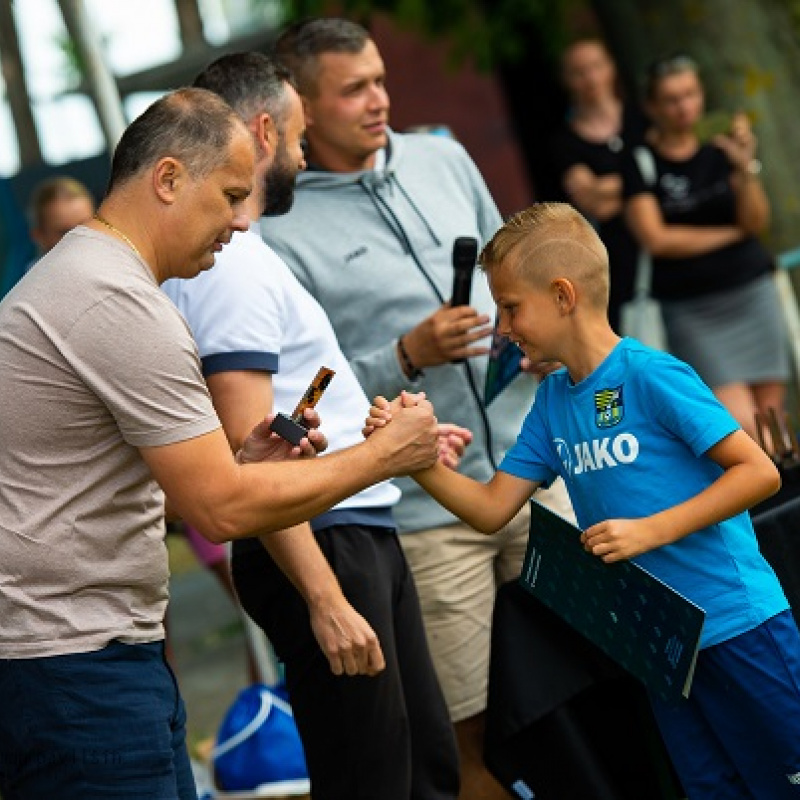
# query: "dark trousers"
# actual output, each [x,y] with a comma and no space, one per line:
[105,724]
[387,736]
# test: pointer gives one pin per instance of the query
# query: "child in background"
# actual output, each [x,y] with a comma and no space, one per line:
[658,472]
[57,205]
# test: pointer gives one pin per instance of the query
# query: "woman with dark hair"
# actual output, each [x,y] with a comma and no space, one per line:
[588,151]
[700,216]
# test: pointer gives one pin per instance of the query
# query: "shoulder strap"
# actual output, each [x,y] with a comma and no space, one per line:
[647,164]
[644,268]
[644,275]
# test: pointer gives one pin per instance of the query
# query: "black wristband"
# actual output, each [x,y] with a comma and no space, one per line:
[408,365]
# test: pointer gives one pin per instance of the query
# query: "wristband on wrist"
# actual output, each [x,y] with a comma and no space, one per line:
[753,167]
[410,370]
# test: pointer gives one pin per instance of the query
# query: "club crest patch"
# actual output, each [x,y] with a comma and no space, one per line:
[608,406]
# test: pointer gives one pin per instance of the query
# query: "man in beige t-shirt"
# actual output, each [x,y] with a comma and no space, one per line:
[103,412]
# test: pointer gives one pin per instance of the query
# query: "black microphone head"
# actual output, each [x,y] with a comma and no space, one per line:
[465,252]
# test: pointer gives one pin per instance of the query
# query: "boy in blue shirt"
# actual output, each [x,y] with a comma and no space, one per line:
[658,472]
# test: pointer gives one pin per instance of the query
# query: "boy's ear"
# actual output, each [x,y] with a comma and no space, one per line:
[564,294]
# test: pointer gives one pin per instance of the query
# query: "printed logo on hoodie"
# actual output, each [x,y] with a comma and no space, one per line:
[354,254]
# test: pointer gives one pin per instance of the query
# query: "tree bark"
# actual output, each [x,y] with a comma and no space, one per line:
[30,151]
[190,23]
[536,106]
[749,58]
[102,84]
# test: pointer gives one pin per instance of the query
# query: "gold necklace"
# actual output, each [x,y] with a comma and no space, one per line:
[120,234]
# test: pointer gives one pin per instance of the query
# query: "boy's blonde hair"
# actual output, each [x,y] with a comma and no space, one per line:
[549,241]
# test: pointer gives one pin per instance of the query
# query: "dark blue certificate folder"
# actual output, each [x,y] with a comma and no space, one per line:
[632,616]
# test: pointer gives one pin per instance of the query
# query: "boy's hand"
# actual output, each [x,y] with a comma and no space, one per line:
[380,413]
[453,439]
[618,539]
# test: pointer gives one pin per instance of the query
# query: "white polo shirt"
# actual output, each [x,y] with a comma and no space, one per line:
[249,312]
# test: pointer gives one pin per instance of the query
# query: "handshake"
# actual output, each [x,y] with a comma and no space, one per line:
[445,442]
[414,441]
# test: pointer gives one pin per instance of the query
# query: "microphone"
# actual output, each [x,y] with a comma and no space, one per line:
[465,255]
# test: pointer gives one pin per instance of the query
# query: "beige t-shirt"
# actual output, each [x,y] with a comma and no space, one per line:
[95,362]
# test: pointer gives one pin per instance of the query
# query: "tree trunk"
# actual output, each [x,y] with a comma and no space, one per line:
[749,58]
[536,105]
[30,151]
[190,23]
[102,84]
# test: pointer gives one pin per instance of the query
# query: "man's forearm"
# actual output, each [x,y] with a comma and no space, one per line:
[271,496]
[226,500]
[296,552]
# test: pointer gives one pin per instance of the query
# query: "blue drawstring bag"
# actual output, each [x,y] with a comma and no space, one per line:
[258,752]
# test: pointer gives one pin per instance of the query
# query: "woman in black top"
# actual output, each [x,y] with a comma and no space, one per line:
[700,220]
[588,152]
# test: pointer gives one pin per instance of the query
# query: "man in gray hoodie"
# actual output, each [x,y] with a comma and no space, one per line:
[371,237]
[339,586]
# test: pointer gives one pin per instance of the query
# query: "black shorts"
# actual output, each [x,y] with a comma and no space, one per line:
[387,736]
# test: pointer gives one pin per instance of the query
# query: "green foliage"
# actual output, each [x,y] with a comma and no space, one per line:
[488,32]
[74,66]
[793,9]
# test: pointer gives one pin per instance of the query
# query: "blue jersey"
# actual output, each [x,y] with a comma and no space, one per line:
[630,441]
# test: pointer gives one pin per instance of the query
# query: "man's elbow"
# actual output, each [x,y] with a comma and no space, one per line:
[218,530]
[221,525]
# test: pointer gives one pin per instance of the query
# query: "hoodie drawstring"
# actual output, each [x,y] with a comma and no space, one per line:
[389,216]
[413,205]
[370,183]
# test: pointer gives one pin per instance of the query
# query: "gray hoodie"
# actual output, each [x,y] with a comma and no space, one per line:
[375,249]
